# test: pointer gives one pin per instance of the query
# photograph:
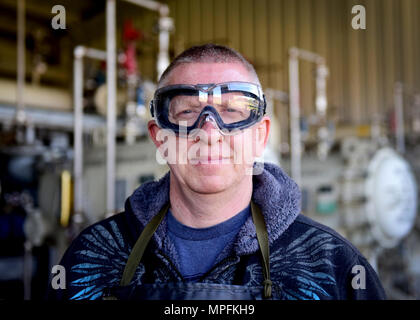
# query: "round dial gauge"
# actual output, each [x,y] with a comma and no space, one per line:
[391,191]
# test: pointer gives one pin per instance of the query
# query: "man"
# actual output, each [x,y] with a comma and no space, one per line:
[218,225]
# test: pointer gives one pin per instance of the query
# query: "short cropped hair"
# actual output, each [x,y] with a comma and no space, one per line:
[208,53]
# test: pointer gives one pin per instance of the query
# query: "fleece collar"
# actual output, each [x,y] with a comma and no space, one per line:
[274,192]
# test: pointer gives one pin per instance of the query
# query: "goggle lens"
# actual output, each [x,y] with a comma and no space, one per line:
[235,105]
[232,107]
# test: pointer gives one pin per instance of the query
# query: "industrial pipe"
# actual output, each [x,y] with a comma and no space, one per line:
[163,9]
[321,89]
[294,105]
[79,53]
[20,118]
[399,117]
[78,129]
[275,140]
[20,111]
[294,102]
[111,63]
[165,26]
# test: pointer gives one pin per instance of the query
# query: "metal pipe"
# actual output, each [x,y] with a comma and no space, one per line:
[399,117]
[78,128]
[27,270]
[20,112]
[78,79]
[111,96]
[321,90]
[275,140]
[165,26]
[294,104]
[163,9]
[308,55]
[278,95]
[111,104]
[94,53]
[21,119]
[294,101]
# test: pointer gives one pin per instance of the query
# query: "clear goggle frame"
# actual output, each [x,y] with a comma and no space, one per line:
[232,106]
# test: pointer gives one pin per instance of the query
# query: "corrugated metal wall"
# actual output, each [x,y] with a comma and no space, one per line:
[364,64]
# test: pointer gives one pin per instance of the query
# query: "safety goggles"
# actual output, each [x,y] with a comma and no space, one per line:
[230,106]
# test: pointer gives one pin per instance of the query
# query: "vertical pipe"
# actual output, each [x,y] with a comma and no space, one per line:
[321,90]
[165,25]
[20,115]
[78,129]
[399,117]
[20,118]
[294,105]
[27,270]
[111,104]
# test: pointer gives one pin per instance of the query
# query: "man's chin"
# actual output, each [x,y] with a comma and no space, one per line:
[212,186]
[210,179]
[211,168]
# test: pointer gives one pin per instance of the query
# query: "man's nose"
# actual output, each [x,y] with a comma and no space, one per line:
[211,130]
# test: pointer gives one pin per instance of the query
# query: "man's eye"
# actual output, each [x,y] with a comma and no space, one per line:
[230,109]
[186,112]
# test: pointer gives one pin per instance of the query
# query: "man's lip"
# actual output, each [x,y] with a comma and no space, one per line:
[202,159]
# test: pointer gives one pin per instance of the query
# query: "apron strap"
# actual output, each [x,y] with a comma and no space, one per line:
[140,246]
[262,237]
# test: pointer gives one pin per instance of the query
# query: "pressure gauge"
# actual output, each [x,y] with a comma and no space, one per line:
[391,192]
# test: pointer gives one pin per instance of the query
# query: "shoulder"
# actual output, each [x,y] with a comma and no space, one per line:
[314,253]
[118,231]
[96,258]
[307,236]
[102,236]
[304,224]
[109,237]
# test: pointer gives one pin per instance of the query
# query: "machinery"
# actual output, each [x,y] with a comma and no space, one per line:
[369,195]
[67,163]
[357,182]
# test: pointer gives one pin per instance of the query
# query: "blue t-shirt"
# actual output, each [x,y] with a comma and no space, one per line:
[198,248]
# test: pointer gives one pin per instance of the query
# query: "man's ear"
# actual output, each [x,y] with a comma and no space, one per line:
[153,129]
[262,131]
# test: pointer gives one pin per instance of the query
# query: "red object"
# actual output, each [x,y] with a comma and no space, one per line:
[130,33]
[130,36]
[130,63]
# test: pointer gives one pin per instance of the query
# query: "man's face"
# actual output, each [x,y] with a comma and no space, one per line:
[211,162]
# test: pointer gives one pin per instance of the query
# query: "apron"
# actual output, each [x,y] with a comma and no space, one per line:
[190,290]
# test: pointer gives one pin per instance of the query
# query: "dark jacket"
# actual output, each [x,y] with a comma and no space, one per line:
[308,260]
